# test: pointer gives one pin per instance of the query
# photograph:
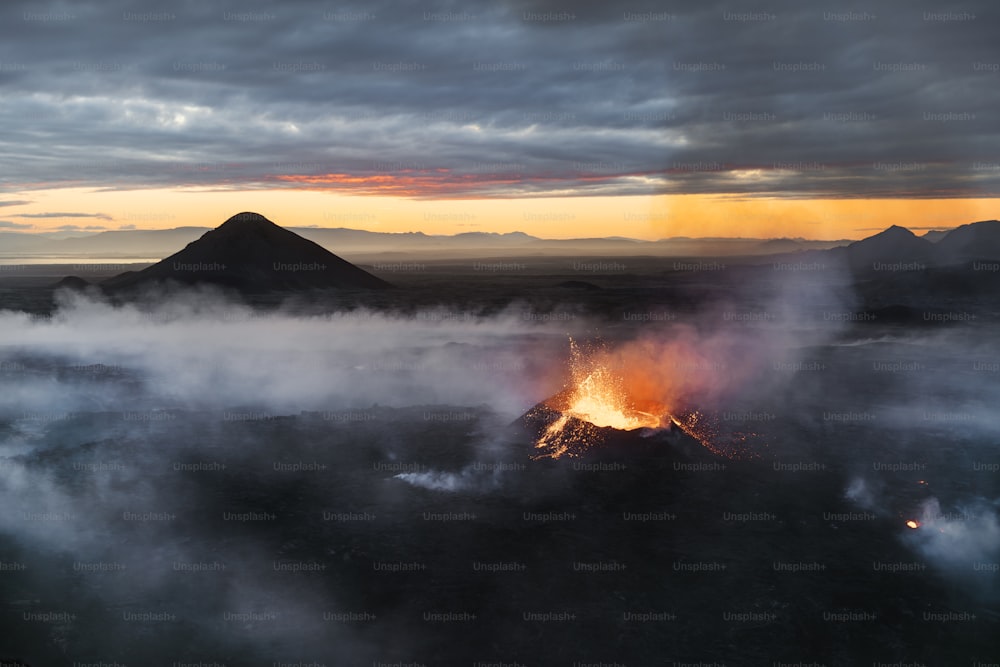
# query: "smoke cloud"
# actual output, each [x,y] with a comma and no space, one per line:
[115,420]
[197,350]
[960,539]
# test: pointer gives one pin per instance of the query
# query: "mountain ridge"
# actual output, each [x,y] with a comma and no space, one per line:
[956,245]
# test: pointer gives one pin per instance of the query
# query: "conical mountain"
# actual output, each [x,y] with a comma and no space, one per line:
[250,253]
[891,246]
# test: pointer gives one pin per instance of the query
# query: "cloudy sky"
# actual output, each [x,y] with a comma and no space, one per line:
[559,118]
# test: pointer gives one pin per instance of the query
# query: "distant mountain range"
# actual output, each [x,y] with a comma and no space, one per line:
[362,245]
[896,244]
[899,249]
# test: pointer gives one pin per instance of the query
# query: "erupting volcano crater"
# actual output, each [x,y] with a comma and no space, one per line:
[596,413]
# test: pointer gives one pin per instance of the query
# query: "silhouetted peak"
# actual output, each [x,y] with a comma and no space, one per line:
[249,252]
[246,224]
[246,218]
[896,232]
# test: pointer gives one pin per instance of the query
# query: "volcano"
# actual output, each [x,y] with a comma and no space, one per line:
[556,431]
[598,414]
[595,416]
[250,253]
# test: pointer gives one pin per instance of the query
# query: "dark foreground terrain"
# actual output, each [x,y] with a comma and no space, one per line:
[198,482]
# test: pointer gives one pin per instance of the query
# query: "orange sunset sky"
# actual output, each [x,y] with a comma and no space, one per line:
[600,122]
[640,216]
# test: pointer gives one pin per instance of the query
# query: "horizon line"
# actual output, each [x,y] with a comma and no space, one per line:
[82,233]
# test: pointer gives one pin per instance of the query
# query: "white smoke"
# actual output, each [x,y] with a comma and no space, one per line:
[468,479]
[961,539]
[860,492]
[196,350]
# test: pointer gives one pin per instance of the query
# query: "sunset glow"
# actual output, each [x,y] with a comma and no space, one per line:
[640,216]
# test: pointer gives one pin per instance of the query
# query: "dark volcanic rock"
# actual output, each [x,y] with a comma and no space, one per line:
[250,253]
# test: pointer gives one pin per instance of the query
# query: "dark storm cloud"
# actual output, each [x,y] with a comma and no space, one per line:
[516,98]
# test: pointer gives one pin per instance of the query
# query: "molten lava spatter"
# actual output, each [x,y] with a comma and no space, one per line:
[596,398]
[599,399]
[698,427]
[736,444]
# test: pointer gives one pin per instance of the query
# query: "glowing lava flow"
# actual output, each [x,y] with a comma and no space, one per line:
[595,399]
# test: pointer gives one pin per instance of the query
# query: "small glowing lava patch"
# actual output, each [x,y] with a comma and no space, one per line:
[913,523]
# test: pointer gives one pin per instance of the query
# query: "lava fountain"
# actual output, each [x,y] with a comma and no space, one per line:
[594,401]
[596,398]
[596,394]
[602,400]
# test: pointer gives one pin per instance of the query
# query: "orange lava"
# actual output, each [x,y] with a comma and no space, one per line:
[609,389]
[912,523]
[597,397]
